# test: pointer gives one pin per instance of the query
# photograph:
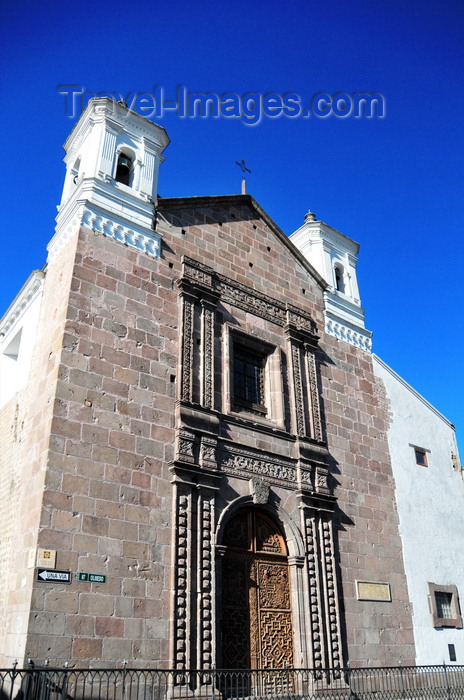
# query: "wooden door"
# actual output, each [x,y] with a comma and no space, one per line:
[256,612]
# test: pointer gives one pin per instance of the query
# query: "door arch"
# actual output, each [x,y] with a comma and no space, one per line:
[256,619]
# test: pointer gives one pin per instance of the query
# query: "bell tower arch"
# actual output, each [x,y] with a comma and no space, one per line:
[334,256]
[112,161]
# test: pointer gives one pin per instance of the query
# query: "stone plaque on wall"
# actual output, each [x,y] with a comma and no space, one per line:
[370,590]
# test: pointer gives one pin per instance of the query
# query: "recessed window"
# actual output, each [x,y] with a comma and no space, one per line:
[444,606]
[421,457]
[339,278]
[248,384]
[253,377]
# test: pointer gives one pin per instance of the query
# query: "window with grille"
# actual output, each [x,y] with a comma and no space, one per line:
[443,601]
[444,606]
[248,379]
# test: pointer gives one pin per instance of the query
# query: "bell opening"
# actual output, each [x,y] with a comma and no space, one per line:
[123,169]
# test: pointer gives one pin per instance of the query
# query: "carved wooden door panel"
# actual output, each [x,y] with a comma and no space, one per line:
[256,611]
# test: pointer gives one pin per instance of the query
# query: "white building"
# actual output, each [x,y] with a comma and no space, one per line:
[17,336]
[430,502]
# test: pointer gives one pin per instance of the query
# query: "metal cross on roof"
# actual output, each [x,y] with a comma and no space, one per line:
[244,170]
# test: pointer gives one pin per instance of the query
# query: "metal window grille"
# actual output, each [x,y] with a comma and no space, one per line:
[444,607]
[248,379]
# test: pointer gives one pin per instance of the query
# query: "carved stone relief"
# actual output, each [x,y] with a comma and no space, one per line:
[187,348]
[208,446]
[325,622]
[185,446]
[246,298]
[298,389]
[181,584]
[260,490]
[333,625]
[208,357]
[314,393]
[205,580]
[243,461]
[315,622]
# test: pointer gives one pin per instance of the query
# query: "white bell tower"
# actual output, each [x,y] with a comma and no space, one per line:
[334,256]
[112,163]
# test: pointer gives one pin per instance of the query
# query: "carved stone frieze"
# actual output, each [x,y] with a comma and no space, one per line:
[245,298]
[300,320]
[248,299]
[306,477]
[197,271]
[198,276]
[244,461]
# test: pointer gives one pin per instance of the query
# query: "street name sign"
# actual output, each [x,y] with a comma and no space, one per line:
[91,578]
[53,575]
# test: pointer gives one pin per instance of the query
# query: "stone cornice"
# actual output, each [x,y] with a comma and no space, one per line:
[23,299]
[116,116]
[359,337]
[131,234]
[331,234]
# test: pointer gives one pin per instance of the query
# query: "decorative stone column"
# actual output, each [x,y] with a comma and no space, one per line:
[323,595]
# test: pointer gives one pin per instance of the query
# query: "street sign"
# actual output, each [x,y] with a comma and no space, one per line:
[91,578]
[53,575]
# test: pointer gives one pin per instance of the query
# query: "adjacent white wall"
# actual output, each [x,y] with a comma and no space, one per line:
[430,503]
[18,329]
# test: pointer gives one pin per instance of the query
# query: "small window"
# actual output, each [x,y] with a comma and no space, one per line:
[339,279]
[248,384]
[444,606]
[421,457]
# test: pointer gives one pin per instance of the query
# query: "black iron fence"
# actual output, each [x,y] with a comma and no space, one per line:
[402,683]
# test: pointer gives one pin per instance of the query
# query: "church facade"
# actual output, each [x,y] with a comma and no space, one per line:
[201,431]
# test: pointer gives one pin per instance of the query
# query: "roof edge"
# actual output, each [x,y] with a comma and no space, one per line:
[412,390]
[165,203]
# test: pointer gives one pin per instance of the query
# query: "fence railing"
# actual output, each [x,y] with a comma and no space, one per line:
[393,683]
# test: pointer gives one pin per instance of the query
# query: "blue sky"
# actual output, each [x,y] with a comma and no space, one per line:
[394,184]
